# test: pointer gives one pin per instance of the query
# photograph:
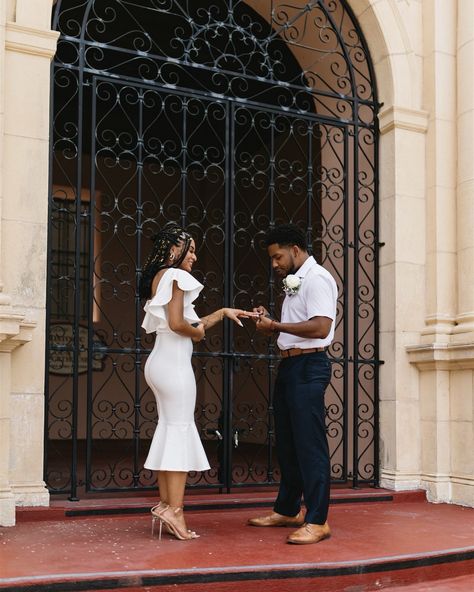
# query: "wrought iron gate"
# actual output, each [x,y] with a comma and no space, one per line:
[229,117]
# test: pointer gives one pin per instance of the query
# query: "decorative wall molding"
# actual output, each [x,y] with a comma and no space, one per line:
[412,120]
[31,41]
[14,330]
[452,478]
[442,356]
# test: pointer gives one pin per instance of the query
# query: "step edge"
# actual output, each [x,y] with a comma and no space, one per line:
[103,580]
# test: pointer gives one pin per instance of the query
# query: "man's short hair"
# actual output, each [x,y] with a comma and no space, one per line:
[287,235]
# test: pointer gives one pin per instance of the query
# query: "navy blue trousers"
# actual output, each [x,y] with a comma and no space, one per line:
[301,440]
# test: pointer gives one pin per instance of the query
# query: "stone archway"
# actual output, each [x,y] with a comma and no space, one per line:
[30,45]
[231,123]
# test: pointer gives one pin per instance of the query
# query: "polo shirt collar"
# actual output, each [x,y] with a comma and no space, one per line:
[307,265]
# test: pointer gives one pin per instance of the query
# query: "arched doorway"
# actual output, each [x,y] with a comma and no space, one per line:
[230,117]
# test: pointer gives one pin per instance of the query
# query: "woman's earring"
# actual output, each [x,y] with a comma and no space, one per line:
[171,256]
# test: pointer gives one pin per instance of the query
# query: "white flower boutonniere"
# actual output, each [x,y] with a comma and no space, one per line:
[291,284]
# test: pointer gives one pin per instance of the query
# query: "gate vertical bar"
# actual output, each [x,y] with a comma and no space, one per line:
[309,192]
[138,221]
[90,308]
[377,246]
[345,353]
[48,278]
[77,281]
[355,458]
[184,171]
[271,305]
[227,392]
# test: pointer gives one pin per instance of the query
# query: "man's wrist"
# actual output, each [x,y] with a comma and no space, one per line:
[273,326]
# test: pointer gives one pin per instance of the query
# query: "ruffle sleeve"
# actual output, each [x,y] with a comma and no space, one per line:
[156,314]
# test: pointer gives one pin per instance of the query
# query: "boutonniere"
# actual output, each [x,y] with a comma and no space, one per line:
[291,284]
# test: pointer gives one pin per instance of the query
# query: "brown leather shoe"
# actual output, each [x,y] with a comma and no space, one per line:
[275,519]
[309,533]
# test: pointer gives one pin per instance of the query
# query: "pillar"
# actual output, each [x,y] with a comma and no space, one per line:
[24,156]
[445,354]
[464,331]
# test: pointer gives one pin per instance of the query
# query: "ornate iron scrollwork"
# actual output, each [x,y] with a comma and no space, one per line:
[230,117]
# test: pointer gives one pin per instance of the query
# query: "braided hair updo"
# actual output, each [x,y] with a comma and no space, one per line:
[171,234]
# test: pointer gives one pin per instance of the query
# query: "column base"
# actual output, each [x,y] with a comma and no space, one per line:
[399,481]
[7,509]
[450,489]
[30,494]
[437,487]
[462,490]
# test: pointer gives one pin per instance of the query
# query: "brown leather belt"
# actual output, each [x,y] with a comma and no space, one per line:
[297,351]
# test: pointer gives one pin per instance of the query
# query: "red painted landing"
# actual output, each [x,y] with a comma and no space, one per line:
[375,545]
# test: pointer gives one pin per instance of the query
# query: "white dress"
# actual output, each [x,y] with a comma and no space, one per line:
[176,445]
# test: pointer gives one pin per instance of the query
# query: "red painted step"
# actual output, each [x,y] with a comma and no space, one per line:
[374,545]
[60,509]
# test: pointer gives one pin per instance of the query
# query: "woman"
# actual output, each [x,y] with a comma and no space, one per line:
[170,290]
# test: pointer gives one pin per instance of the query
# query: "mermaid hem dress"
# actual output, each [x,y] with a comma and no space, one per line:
[176,445]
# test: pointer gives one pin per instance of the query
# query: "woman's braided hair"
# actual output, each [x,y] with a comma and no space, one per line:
[170,234]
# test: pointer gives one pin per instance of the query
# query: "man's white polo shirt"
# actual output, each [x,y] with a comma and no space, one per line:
[316,297]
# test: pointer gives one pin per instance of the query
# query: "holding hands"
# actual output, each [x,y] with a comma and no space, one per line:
[234,314]
[260,316]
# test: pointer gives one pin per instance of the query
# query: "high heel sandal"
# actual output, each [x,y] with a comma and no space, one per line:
[156,511]
[168,518]
[159,508]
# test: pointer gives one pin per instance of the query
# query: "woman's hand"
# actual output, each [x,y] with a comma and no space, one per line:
[199,333]
[235,314]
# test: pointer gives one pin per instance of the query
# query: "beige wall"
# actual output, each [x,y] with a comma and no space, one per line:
[393,32]
[24,136]
[444,352]
[423,52]
[421,58]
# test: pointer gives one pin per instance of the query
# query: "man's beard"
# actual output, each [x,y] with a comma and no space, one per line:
[293,269]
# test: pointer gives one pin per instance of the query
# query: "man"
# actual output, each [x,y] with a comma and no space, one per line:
[305,331]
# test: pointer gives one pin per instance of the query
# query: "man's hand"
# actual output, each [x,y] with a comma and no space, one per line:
[264,323]
[261,311]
